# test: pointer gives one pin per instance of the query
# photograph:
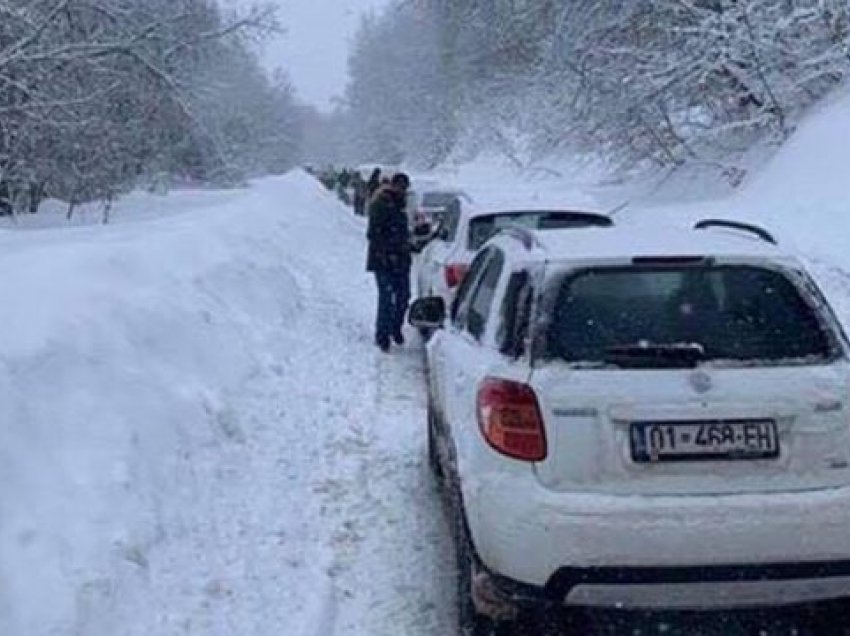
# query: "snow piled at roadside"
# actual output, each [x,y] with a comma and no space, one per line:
[803,192]
[196,432]
[800,194]
[118,347]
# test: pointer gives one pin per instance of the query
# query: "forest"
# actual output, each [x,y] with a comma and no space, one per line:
[101,96]
[98,97]
[644,84]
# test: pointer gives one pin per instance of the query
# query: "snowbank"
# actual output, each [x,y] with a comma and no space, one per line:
[803,192]
[800,194]
[121,349]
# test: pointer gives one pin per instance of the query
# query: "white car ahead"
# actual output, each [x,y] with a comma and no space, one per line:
[639,420]
[464,229]
[433,204]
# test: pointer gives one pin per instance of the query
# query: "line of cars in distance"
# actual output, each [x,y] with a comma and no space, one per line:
[631,418]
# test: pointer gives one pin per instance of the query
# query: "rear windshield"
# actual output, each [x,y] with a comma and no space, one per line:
[482,228]
[664,317]
[438,199]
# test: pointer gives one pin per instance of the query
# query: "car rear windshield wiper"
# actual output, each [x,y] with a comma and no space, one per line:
[656,355]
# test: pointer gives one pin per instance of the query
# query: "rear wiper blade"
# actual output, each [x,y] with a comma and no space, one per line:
[651,354]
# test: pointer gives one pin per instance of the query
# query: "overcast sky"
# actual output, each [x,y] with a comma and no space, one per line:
[315,47]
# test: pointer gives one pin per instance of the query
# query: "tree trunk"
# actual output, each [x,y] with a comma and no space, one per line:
[107,208]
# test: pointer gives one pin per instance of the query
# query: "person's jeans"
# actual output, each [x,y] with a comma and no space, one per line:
[393,297]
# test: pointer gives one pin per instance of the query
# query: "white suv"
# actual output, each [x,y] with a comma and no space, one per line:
[640,420]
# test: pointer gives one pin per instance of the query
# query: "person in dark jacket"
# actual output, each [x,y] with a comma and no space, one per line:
[359,187]
[389,258]
[373,184]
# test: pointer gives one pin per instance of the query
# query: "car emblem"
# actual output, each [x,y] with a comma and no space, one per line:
[701,381]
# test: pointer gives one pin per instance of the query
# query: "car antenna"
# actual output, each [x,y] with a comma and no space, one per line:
[619,208]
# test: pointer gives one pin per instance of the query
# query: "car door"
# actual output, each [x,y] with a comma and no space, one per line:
[446,338]
[465,353]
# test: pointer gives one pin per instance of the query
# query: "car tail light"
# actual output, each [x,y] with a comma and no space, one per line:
[510,419]
[455,273]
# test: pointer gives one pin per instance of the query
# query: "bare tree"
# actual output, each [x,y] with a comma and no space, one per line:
[98,95]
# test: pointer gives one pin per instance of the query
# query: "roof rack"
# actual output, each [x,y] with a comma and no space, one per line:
[749,228]
[525,236]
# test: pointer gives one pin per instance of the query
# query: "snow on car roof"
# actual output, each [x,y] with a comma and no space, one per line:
[630,242]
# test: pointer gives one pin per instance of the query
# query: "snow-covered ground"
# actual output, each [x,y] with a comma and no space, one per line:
[198,435]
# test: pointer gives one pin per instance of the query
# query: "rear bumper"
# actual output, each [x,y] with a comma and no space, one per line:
[688,552]
[680,588]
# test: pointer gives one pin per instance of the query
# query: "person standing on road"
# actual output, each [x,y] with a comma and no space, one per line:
[389,258]
[359,187]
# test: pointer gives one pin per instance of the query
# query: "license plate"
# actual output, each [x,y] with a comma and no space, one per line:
[704,441]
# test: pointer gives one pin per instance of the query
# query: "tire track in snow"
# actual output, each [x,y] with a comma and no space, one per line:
[372,481]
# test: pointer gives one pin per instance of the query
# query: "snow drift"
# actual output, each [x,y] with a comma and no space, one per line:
[121,348]
[800,193]
[803,190]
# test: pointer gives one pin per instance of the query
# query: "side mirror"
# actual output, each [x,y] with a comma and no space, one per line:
[427,313]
